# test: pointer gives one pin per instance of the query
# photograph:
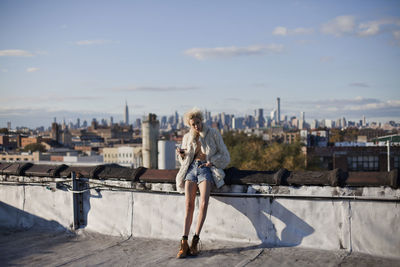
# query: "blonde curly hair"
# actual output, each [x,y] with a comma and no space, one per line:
[192,114]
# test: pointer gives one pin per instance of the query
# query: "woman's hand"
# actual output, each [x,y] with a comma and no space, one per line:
[207,164]
[180,152]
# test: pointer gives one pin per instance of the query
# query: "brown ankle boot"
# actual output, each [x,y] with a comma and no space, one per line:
[183,252]
[193,248]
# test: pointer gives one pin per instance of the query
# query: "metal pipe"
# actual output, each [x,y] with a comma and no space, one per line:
[365,198]
[388,155]
[263,195]
[74,202]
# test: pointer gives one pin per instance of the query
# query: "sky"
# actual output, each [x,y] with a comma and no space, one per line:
[70,59]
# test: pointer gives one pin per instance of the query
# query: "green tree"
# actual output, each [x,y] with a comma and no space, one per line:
[35,147]
[253,153]
[243,148]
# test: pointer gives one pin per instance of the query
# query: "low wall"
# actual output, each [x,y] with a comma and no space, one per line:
[309,216]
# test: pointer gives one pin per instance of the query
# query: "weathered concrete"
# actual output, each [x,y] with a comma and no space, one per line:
[334,224]
[33,248]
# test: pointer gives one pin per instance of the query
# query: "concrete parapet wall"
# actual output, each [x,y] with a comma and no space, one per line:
[362,225]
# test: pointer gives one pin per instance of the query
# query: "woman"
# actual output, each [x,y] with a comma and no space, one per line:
[203,155]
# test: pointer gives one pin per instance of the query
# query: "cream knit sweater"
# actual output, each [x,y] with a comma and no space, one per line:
[212,145]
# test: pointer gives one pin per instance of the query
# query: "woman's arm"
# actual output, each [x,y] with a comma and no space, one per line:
[222,158]
[181,157]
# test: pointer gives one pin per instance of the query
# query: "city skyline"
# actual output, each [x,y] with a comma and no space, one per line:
[257,116]
[85,59]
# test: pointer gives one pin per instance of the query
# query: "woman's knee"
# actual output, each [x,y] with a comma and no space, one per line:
[190,206]
[203,205]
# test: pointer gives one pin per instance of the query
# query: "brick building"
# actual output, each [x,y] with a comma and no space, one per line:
[367,158]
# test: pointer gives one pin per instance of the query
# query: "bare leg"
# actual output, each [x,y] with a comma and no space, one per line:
[190,196]
[204,188]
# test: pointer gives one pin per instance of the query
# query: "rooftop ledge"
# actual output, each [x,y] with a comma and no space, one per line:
[335,184]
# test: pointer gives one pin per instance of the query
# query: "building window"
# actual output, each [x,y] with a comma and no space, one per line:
[363,163]
[396,162]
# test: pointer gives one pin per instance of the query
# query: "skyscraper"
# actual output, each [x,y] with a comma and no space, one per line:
[302,120]
[278,115]
[126,114]
[259,115]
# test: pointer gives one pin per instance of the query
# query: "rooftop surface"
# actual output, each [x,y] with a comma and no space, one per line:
[38,248]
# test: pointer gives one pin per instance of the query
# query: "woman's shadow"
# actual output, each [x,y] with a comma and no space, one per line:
[275,225]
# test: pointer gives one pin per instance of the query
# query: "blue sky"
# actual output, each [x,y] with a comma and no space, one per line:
[70,59]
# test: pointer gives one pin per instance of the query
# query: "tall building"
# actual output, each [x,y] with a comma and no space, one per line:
[344,122]
[259,115]
[55,132]
[302,120]
[314,124]
[126,114]
[273,115]
[278,115]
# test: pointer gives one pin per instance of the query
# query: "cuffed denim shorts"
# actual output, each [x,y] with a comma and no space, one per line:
[197,174]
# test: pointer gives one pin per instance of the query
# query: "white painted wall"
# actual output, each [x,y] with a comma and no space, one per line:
[35,206]
[364,226]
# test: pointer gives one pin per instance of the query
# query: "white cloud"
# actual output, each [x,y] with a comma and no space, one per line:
[32,69]
[15,53]
[368,29]
[46,98]
[343,25]
[4,70]
[280,31]
[359,84]
[353,108]
[302,31]
[155,88]
[371,28]
[378,105]
[95,42]
[233,51]
[283,31]
[339,26]
[396,35]
[326,59]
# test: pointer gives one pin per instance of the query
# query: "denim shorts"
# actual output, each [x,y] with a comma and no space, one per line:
[197,174]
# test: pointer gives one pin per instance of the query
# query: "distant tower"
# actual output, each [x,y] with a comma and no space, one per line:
[126,114]
[302,120]
[278,115]
[150,132]
[364,122]
[259,115]
[9,125]
[273,115]
[55,132]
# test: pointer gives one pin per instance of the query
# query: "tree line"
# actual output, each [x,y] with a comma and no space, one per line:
[254,153]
